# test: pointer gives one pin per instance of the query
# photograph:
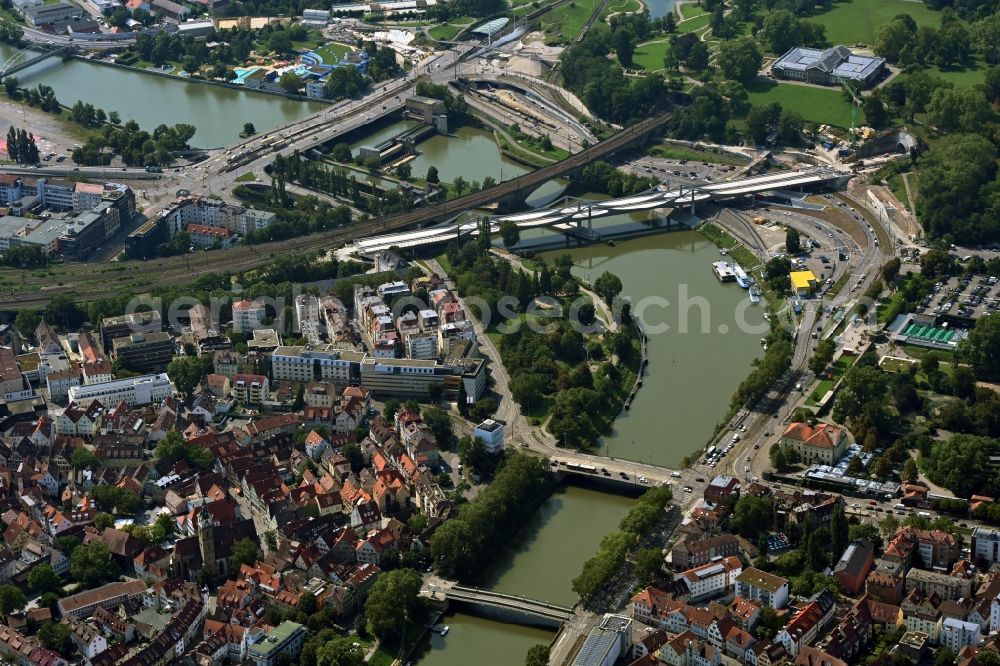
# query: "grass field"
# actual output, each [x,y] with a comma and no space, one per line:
[649,56]
[566,21]
[966,77]
[448,30]
[852,21]
[695,24]
[620,6]
[815,104]
[690,9]
[332,52]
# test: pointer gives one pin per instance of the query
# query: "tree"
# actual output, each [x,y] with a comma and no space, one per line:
[82,458]
[26,322]
[55,636]
[290,82]
[460,185]
[821,358]
[245,551]
[875,113]
[186,373]
[248,130]
[740,59]
[752,516]
[280,42]
[340,652]
[982,347]
[390,408]
[697,59]
[958,109]
[510,233]
[104,520]
[12,599]
[538,655]
[624,46]
[92,565]
[867,532]
[63,311]
[393,604]
[792,241]
[910,470]
[648,565]
[43,579]
[608,286]
[439,424]
[404,171]
[839,530]
[432,176]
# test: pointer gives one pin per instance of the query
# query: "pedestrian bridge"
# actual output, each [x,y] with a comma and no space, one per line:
[508,606]
[577,218]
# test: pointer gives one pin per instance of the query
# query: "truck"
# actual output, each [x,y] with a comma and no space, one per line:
[154,169]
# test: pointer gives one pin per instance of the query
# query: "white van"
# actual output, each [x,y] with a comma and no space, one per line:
[676,475]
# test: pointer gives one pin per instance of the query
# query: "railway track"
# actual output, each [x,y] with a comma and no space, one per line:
[85,283]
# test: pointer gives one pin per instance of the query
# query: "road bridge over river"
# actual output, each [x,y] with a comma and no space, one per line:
[577,218]
[508,607]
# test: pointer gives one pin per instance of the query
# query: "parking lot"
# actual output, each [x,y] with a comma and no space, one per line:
[963,298]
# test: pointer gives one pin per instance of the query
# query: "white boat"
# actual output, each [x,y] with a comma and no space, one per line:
[742,278]
[754,296]
[444,632]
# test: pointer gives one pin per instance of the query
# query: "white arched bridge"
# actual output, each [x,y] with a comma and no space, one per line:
[577,218]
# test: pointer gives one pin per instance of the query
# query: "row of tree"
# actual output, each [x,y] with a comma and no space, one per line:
[21,146]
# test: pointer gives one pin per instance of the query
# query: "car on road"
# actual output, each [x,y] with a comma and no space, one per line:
[700,479]
[688,489]
[756,446]
[623,475]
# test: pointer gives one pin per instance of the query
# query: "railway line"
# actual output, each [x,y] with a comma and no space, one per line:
[85,282]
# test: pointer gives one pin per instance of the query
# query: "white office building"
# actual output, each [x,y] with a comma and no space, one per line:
[143,390]
[491,433]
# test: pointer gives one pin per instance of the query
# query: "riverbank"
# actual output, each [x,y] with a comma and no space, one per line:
[198,79]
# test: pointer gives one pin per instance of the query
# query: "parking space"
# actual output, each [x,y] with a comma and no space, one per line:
[966,298]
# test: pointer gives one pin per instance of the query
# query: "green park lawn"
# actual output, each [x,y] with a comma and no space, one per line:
[965,77]
[650,55]
[332,52]
[852,21]
[622,6]
[690,9]
[699,22]
[566,21]
[447,31]
[814,104]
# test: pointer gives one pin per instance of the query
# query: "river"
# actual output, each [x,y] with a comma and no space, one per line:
[659,8]
[469,152]
[150,100]
[549,552]
[690,375]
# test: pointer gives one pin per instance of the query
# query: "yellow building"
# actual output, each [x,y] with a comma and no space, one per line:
[803,282]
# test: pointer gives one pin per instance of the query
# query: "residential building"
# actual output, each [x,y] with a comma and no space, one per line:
[712,579]
[831,67]
[250,389]
[491,433]
[957,634]
[306,364]
[762,587]
[248,315]
[110,596]
[823,443]
[809,622]
[853,566]
[228,363]
[11,381]
[203,236]
[721,487]
[921,613]
[144,352]
[946,586]
[285,639]
[985,546]
[125,325]
[688,553]
[143,390]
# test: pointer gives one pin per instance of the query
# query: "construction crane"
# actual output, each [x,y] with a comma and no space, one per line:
[854,106]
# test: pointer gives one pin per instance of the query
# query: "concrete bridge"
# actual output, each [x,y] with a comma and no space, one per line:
[22,60]
[577,219]
[509,607]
